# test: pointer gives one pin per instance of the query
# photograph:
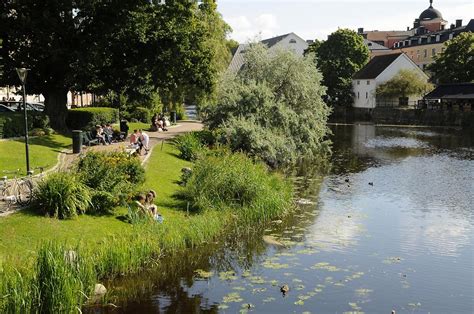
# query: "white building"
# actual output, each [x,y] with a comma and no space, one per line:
[380,70]
[289,41]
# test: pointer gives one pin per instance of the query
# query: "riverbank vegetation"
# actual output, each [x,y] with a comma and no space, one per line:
[53,265]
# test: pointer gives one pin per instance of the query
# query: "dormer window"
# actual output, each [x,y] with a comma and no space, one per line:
[292,41]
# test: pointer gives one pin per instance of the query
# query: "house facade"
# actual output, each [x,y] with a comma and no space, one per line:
[289,41]
[379,70]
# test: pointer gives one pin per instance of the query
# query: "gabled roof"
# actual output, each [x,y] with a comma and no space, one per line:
[376,66]
[453,91]
[374,46]
[270,42]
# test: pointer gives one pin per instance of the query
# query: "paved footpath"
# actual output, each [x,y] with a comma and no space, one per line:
[67,159]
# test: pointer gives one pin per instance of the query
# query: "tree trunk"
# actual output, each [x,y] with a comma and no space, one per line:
[55,101]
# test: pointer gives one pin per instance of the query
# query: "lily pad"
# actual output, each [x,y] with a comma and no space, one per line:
[203,274]
[232,297]
[268,300]
[227,275]
[299,302]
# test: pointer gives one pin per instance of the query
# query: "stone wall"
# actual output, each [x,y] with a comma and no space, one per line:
[403,116]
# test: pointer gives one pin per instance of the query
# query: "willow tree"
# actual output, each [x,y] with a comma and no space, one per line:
[273,108]
[403,85]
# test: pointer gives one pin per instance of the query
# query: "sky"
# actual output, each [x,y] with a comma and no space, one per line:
[310,19]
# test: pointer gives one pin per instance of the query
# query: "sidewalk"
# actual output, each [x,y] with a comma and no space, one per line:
[67,159]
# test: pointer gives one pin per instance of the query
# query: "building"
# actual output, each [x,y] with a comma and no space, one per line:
[376,49]
[380,70]
[424,40]
[289,41]
[457,96]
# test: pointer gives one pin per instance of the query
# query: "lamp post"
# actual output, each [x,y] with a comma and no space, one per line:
[22,73]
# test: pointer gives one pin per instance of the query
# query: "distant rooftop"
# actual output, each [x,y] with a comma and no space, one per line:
[376,66]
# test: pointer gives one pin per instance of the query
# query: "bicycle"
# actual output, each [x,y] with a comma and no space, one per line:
[18,190]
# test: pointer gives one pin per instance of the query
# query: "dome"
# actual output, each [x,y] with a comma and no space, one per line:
[430,13]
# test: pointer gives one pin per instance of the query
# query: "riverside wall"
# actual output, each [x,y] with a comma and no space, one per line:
[403,116]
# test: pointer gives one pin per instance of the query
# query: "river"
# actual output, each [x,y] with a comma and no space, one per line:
[389,228]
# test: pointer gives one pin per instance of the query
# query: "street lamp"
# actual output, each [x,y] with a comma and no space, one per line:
[22,73]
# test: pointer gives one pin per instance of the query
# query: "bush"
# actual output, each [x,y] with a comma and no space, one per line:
[111,176]
[139,114]
[62,196]
[180,113]
[87,118]
[234,182]
[13,124]
[189,145]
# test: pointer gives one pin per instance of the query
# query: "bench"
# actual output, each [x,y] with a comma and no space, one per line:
[89,139]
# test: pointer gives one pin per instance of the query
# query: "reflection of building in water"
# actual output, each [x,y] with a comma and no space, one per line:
[361,134]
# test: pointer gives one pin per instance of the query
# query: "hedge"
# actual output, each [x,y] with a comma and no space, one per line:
[87,118]
[13,124]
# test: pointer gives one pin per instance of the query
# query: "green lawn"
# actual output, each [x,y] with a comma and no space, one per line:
[44,151]
[21,233]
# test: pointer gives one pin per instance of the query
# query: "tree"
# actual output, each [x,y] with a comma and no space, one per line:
[132,48]
[273,108]
[456,63]
[339,58]
[406,83]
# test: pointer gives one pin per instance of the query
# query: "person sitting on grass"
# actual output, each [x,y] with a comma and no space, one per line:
[152,208]
[139,208]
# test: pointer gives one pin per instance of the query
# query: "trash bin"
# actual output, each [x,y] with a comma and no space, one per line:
[76,141]
[173,117]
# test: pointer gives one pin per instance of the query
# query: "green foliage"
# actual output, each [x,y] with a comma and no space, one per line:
[339,58]
[13,124]
[180,113]
[406,83]
[64,279]
[140,114]
[61,196]
[112,177]
[234,182]
[456,63]
[88,118]
[189,145]
[273,108]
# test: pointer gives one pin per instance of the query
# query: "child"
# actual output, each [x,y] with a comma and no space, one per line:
[152,208]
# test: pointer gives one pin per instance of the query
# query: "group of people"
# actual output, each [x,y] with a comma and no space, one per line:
[144,206]
[159,123]
[104,133]
[140,140]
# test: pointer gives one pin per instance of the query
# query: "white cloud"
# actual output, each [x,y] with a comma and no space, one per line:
[244,29]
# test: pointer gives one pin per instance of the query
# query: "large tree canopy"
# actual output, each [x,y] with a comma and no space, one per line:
[456,63]
[339,58]
[131,47]
[272,108]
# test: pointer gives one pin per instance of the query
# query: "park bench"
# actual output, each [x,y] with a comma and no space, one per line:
[89,139]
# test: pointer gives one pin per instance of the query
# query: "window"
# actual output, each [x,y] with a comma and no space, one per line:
[358,82]
[358,95]
[425,53]
[438,37]
[451,36]
[366,95]
[368,82]
[292,41]
[429,39]
[433,52]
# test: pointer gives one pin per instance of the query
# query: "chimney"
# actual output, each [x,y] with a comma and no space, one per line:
[458,23]
[408,28]
[452,26]
[360,30]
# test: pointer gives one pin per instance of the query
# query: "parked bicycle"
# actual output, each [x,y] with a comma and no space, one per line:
[18,190]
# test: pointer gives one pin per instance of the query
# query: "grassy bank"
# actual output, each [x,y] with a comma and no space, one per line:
[43,152]
[38,272]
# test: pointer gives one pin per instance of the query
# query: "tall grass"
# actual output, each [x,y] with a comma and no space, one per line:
[234,182]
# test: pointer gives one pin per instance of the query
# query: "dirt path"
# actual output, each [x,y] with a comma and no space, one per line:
[67,159]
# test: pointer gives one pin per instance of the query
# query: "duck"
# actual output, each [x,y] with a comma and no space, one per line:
[371,183]
[284,289]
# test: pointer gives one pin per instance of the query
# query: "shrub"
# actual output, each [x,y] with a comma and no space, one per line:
[189,145]
[111,176]
[87,118]
[234,182]
[180,113]
[13,124]
[140,114]
[62,196]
